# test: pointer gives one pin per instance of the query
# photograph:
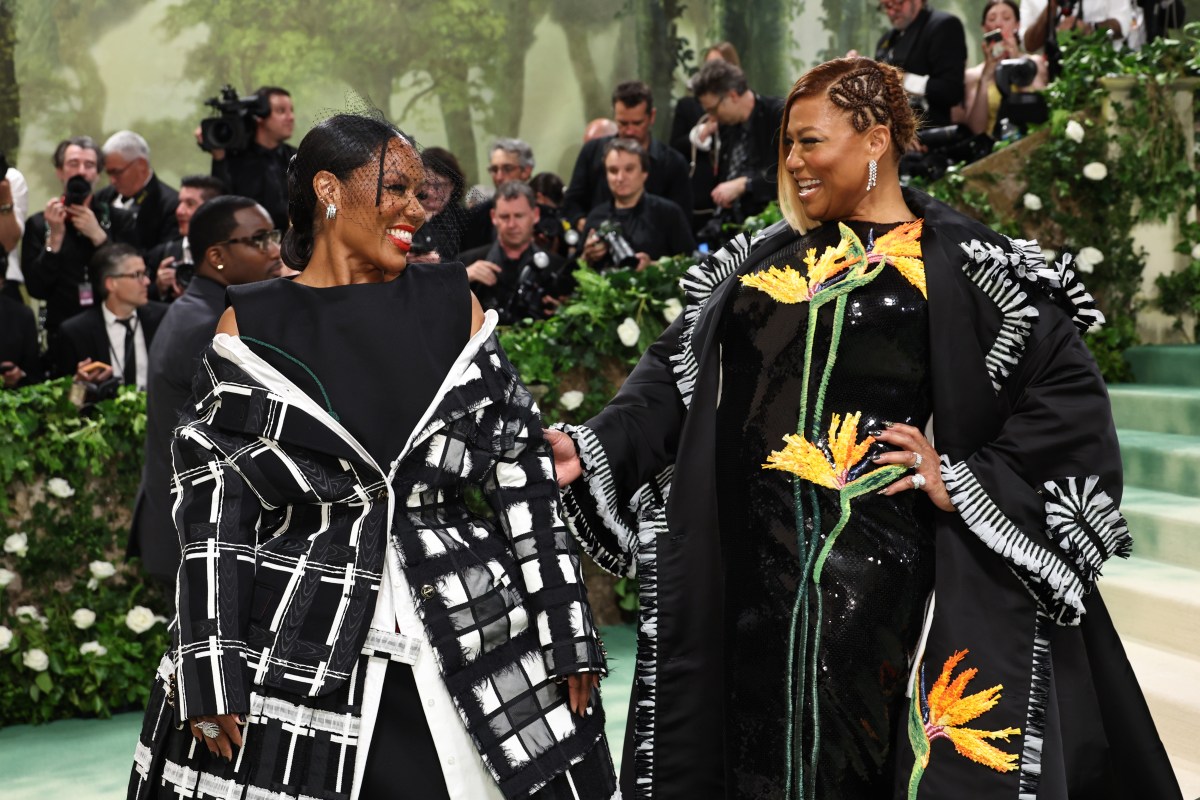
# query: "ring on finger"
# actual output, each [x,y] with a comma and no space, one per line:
[918,481]
[209,729]
[918,460]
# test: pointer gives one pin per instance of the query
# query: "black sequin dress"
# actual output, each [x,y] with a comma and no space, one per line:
[817,677]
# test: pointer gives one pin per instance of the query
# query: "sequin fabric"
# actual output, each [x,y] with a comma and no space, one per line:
[845,710]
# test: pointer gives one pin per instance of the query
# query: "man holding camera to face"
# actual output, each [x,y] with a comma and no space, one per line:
[259,170]
[635,227]
[171,263]
[59,242]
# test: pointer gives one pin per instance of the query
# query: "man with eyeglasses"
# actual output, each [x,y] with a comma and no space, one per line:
[118,332]
[234,242]
[510,160]
[931,47]
[745,144]
[634,112]
[134,187]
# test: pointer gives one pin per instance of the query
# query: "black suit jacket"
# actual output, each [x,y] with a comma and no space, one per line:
[154,220]
[655,226]
[83,336]
[934,45]
[260,174]
[56,277]
[186,330]
[19,339]
[762,128]
[588,188]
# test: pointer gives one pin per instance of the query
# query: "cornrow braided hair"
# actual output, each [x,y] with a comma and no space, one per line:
[861,91]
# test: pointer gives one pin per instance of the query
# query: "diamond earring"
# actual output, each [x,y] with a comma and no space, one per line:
[330,211]
[872,174]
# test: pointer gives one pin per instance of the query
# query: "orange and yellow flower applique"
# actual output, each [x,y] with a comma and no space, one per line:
[787,285]
[946,711]
[830,469]
[901,247]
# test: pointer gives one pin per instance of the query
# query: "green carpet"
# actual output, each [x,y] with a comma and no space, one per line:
[90,759]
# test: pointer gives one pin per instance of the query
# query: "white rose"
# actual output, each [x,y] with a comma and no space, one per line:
[628,331]
[1196,253]
[28,612]
[1074,131]
[6,637]
[140,619]
[17,544]
[1033,202]
[7,576]
[92,648]
[672,309]
[59,488]
[1095,171]
[102,569]
[36,659]
[84,618]
[571,400]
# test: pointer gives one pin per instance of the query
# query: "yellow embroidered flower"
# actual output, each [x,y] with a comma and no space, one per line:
[801,457]
[787,285]
[947,710]
[901,247]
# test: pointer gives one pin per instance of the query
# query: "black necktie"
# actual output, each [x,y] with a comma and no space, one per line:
[129,364]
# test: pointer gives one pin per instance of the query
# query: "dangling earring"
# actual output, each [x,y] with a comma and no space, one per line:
[330,211]
[872,174]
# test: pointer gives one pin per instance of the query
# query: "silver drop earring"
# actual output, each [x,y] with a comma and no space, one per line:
[872,174]
[330,211]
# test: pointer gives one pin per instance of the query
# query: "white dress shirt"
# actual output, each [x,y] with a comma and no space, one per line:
[20,198]
[116,346]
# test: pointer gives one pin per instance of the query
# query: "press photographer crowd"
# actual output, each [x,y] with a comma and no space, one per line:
[121,284]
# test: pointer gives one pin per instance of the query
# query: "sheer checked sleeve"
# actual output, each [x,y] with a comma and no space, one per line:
[523,492]
[217,516]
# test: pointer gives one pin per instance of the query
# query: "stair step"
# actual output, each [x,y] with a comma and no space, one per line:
[1157,604]
[1168,364]
[1171,684]
[1165,462]
[1164,409]
[1165,526]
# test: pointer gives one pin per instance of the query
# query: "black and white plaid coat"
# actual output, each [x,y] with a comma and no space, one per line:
[283,519]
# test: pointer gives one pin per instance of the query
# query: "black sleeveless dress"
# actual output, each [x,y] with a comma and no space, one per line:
[374,355]
[826,580]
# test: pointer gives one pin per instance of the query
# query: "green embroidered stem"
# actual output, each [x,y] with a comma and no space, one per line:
[919,741]
[302,365]
[871,482]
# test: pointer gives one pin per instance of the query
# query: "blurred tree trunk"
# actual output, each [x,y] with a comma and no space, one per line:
[656,23]
[10,93]
[579,20]
[505,69]
[759,30]
[852,27]
[456,112]
[75,35]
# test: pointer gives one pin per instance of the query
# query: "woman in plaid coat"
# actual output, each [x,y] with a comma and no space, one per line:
[347,627]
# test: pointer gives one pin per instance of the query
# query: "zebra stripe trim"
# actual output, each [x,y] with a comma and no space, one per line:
[1035,714]
[698,284]
[1060,282]
[993,270]
[650,507]
[1086,524]
[1049,576]
[603,491]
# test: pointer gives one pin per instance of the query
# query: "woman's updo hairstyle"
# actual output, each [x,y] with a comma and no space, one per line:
[870,93]
[338,145]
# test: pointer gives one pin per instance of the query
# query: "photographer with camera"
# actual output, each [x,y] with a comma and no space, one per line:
[59,242]
[135,188]
[985,104]
[1044,19]
[107,345]
[248,143]
[513,275]
[171,264]
[553,232]
[635,227]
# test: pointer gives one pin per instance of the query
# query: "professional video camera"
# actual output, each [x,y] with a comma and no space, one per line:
[234,127]
[1020,108]
[554,233]
[619,249]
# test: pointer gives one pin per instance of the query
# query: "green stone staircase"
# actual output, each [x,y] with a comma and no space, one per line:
[1154,597]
